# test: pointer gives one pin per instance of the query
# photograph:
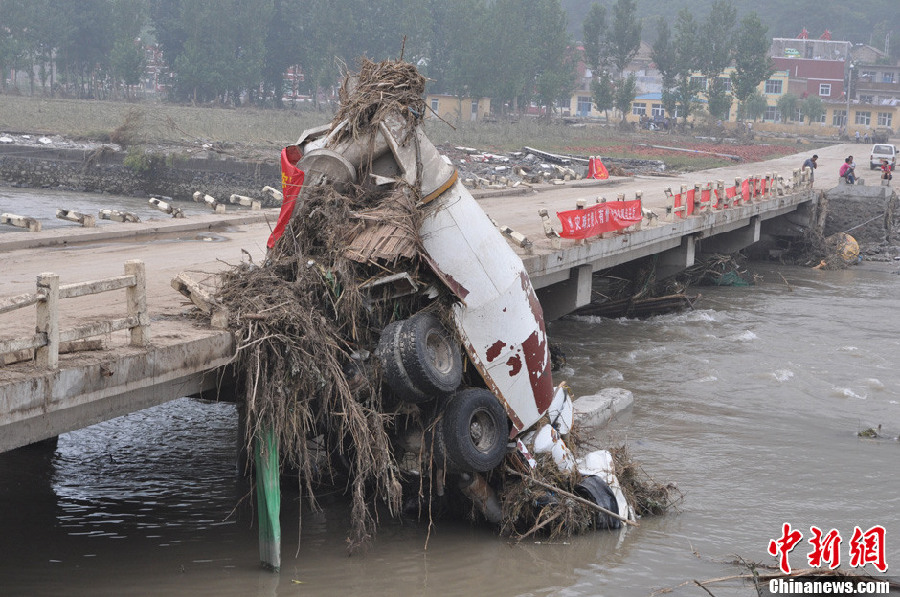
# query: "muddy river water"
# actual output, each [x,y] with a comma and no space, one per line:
[751,403]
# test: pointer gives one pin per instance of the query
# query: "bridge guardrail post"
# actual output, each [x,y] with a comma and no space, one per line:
[136,299]
[47,356]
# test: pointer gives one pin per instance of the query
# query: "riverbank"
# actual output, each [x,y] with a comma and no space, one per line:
[100,168]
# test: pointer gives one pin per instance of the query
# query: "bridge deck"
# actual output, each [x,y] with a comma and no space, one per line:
[89,387]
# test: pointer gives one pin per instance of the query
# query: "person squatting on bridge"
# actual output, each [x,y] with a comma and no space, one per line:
[846,172]
[811,164]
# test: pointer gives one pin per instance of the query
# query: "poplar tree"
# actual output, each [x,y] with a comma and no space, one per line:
[665,59]
[687,48]
[752,63]
[624,43]
[717,54]
[596,56]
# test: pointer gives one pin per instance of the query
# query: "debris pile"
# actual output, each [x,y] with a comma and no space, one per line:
[487,170]
[362,337]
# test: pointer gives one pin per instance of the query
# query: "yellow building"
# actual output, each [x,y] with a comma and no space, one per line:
[455,109]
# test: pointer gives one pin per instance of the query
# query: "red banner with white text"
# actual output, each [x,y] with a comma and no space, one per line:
[599,218]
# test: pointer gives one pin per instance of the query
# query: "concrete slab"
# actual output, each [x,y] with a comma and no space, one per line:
[597,410]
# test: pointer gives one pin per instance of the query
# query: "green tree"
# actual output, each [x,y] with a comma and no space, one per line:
[625,94]
[168,28]
[752,63]
[812,108]
[507,48]
[596,55]
[604,93]
[282,47]
[787,106]
[450,66]
[718,50]
[754,105]
[17,15]
[127,60]
[624,40]
[596,48]
[555,68]
[624,34]
[85,45]
[665,59]
[687,47]
[324,29]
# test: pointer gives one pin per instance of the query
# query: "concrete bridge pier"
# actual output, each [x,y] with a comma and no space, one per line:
[732,241]
[564,297]
[672,261]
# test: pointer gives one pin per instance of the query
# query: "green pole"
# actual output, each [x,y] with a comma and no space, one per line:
[268,498]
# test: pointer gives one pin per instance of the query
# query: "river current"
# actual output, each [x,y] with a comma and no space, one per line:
[751,403]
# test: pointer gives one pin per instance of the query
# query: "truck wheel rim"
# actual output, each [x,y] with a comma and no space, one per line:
[439,351]
[482,430]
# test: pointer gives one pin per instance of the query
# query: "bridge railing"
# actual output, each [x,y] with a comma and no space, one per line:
[714,197]
[48,337]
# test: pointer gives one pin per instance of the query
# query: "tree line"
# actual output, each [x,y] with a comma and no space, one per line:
[515,52]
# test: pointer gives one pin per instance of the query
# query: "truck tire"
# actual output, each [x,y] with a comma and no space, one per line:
[419,359]
[595,489]
[474,431]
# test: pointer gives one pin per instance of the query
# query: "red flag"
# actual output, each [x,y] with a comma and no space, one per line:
[596,169]
[291,181]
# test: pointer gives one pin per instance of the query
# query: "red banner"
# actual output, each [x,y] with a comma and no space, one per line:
[599,218]
[291,181]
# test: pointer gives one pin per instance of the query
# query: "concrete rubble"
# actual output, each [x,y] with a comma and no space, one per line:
[528,167]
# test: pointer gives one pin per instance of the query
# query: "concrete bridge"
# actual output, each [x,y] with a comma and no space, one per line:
[173,354]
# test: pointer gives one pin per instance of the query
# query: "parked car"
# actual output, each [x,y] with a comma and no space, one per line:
[882,151]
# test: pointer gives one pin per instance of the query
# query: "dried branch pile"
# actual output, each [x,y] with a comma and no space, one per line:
[649,497]
[381,89]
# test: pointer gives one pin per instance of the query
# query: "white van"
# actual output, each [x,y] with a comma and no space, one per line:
[883,151]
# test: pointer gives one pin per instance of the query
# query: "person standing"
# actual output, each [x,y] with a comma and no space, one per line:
[866,138]
[885,170]
[857,136]
[811,164]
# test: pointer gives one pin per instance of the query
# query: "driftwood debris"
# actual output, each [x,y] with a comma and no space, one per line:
[639,307]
